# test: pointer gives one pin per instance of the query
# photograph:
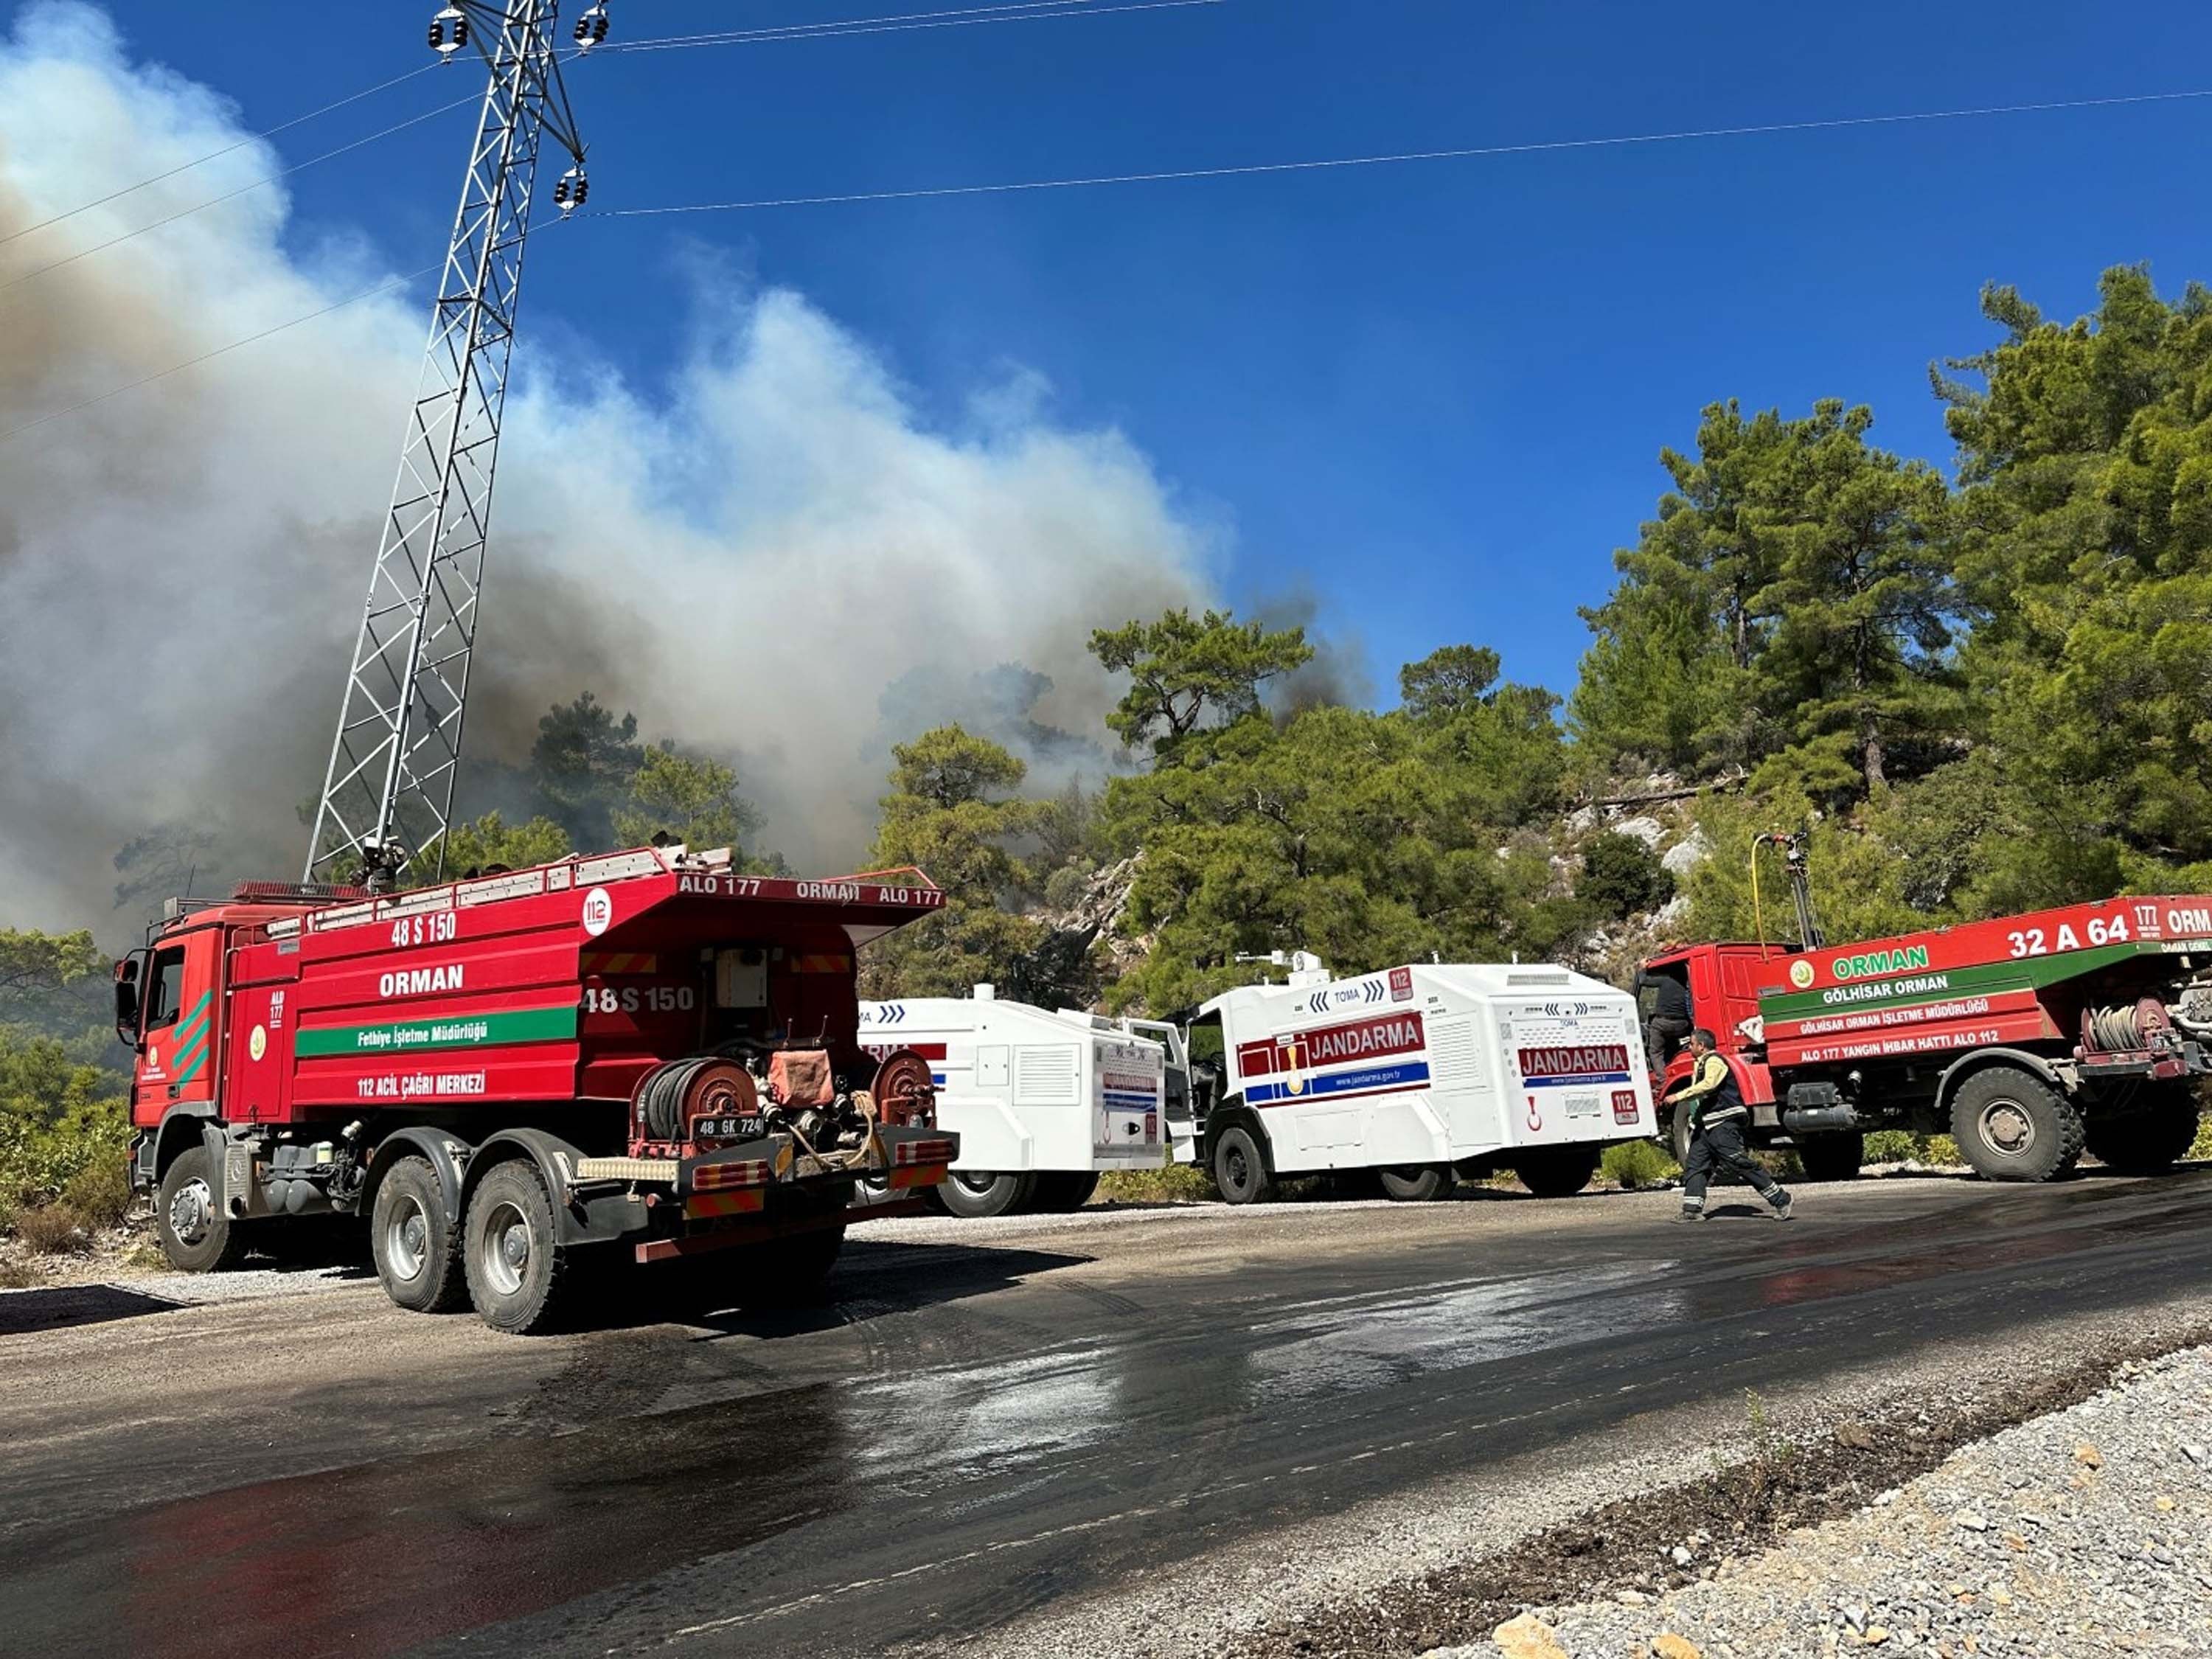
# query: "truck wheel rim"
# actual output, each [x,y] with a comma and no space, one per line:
[1237,1167]
[407,1238]
[192,1207]
[2007,1128]
[506,1252]
[978,1186]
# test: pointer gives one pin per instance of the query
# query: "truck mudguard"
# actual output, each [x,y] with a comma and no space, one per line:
[216,1140]
[435,1145]
[1957,1072]
[1229,1110]
[181,1127]
[596,1219]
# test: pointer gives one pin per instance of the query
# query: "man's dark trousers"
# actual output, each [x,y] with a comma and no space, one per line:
[1718,1148]
[1662,1035]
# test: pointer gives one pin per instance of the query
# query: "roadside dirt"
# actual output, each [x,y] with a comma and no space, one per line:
[1735,1512]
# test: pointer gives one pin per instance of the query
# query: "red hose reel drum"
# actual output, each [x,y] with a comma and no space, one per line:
[671,1097]
[904,1093]
[724,1089]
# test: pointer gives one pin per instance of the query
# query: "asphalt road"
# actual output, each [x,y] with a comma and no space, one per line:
[988,1419]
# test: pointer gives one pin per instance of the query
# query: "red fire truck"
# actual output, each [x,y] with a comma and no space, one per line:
[2028,1039]
[638,1056]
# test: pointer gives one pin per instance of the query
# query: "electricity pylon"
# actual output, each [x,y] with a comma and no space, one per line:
[387,798]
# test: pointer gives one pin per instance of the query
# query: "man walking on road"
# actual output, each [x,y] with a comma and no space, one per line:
[1718,1115]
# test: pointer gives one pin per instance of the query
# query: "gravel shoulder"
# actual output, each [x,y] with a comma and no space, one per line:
[2080,1534]
[1440,1568]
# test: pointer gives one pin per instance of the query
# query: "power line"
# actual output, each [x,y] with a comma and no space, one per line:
[1470,152]
[1025,11]
[384,287]
[231,195]
[1034,11]
[217,155]
[1538,147]
[781,31]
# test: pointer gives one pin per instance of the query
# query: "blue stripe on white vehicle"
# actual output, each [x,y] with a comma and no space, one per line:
[1570,1080]
[1372,1079]
[1115,1097]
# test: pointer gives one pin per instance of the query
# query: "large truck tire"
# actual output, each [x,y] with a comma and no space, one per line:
[2145,1142]
[2010,1125]
[1678,1132]
[976,1193]
[1061,1192]
[196,1233]
[1833,1157]
[414,1242]
[1558,1171]
[1240,1167]
[1418,1184]
[518,1275]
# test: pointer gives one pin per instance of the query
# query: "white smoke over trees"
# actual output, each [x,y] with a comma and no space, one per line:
[779,563]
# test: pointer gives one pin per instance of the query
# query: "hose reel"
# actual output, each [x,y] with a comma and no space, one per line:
[2125,1028]
[670,1096]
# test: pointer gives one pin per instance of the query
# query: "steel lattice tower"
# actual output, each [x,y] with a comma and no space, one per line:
[387,797]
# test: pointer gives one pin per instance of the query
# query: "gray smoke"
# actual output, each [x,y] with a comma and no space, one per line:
[779,564]
[1337,674]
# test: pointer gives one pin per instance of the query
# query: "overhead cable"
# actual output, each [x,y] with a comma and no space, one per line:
[217,155]
[1027,11]
[1830,124]
[384,287]
[1534,147]
[1035,11]
[778,31]
[231,195]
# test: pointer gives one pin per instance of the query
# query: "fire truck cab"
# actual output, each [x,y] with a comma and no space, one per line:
[1723,981]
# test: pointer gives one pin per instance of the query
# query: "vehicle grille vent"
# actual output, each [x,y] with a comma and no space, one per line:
[1046,1074]
[1453,1056]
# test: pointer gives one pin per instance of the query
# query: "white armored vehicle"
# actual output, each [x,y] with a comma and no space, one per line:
[1423,1074]
[1043,1101]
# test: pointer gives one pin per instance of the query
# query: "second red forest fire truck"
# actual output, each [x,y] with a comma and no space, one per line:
[2028,1039]
[640,1056]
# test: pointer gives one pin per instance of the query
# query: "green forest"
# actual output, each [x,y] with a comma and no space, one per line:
[1983,683]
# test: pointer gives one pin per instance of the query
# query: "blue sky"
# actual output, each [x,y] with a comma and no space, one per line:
[1431,397]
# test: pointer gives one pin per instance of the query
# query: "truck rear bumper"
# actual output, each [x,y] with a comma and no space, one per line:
[901,1157]
[758,1190]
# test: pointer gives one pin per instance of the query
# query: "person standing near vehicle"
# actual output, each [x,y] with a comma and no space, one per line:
[1717,1116]
[1670,1019]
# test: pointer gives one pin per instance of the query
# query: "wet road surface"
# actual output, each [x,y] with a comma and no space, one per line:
[970,1432]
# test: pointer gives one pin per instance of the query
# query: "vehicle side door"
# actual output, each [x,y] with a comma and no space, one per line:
[181,1021]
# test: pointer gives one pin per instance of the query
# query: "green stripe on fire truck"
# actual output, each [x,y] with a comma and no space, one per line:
[193,1026]
[1940,984]
[410,1036]
[189,1046]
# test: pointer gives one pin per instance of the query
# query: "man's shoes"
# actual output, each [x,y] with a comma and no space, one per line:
[1783,1209]
[1690,1215]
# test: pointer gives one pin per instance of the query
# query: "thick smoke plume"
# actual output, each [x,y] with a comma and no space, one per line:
[779,564]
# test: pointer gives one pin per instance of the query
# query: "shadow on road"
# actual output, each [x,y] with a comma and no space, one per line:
[872,1279]
[63,1306]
